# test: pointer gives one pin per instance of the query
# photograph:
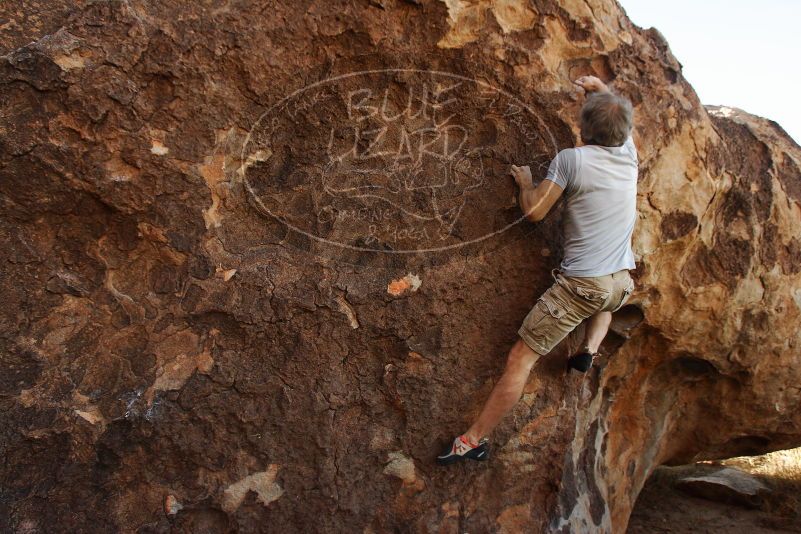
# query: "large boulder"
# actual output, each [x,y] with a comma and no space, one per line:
[728,485]
[263,259]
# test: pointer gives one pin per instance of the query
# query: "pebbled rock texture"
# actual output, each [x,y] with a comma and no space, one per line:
[261,260]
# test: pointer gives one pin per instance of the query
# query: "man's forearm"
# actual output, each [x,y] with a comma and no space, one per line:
[526,199]
[535,201]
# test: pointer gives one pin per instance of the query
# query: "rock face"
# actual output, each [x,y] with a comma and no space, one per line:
[262,259]
[727,485]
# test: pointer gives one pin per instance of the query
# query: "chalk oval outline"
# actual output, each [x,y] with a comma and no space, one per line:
[310,235]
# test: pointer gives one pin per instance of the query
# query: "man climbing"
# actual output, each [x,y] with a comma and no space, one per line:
[599,180]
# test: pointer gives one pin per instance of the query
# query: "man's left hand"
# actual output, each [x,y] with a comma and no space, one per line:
[522,176]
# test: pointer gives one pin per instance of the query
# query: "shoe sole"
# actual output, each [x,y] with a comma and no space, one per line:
[482,456]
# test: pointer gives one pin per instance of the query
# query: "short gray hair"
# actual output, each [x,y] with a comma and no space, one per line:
[606,119]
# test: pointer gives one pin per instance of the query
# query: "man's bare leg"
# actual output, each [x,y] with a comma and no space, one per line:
[597,327]
[506,392]
[519,362]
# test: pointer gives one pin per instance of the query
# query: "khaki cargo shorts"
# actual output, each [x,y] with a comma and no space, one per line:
[569,301]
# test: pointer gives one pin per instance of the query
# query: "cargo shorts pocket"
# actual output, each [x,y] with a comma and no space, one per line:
[543,312]
[540,329]
[551,307]
[589,289]
[595,295]
[624,296]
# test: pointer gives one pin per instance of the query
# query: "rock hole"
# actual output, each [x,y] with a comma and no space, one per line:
[749,491]
[694,367]
[625,319]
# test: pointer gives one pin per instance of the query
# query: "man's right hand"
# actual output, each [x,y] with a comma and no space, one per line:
[591,84]
[522,176]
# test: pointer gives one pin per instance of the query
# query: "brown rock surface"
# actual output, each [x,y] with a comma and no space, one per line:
[239,276]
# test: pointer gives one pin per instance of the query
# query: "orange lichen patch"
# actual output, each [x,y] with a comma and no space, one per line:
[63,126]
[450,511]
[27,397]
[178,356]
[545,421]
[64,321]
[515,519]
[401,285]
[214,173]
[417,365]
[152,233]
[119,171]
[225,274]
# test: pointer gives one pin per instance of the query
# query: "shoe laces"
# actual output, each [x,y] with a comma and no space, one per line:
[467,442]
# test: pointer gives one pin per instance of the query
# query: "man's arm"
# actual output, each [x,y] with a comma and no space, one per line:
[592,84]
[537,201]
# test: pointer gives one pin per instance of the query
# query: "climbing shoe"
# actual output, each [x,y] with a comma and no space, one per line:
[580,362]
[462,448]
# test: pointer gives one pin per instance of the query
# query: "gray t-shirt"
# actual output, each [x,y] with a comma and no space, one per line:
[600,186]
